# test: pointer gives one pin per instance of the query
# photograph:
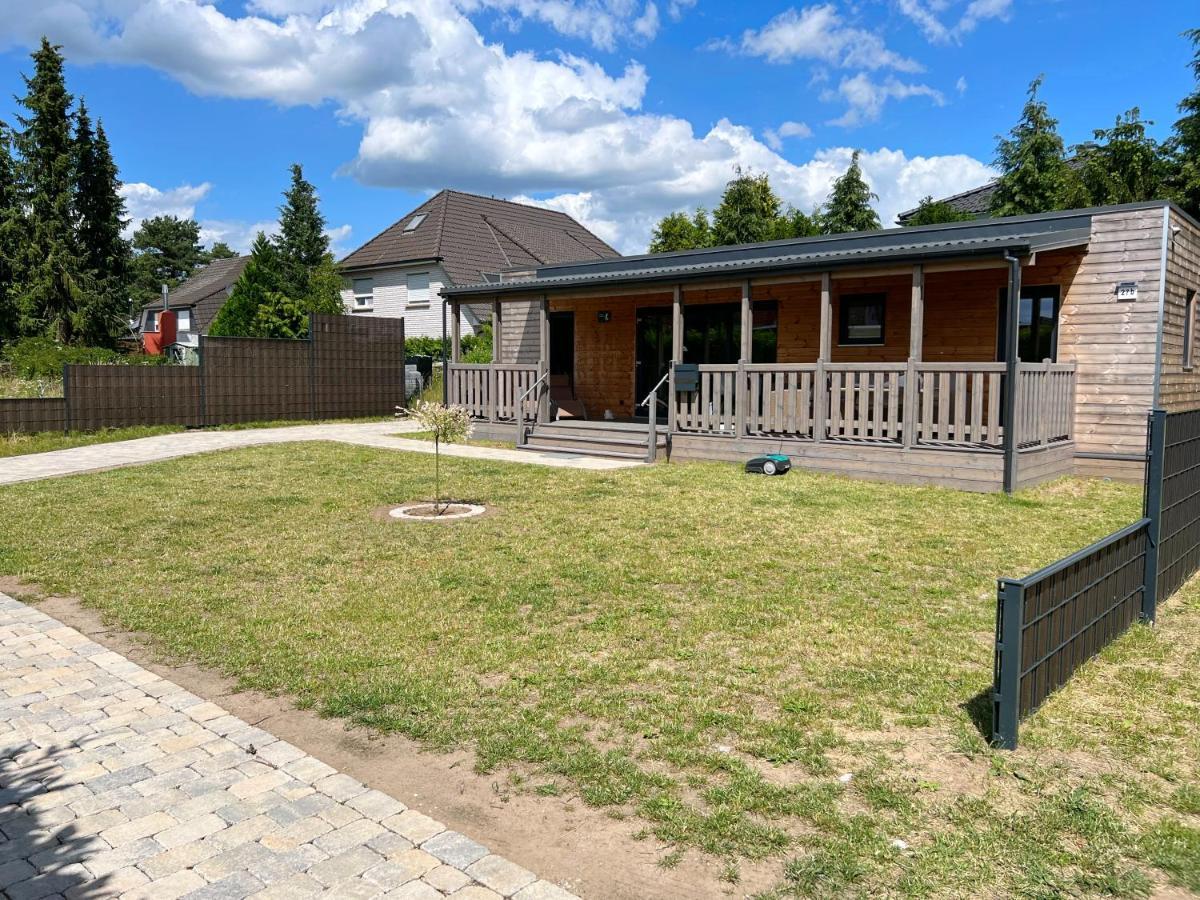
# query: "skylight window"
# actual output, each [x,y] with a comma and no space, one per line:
[415,222]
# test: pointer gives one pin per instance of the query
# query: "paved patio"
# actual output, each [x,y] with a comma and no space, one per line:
[116,782]
[139,451]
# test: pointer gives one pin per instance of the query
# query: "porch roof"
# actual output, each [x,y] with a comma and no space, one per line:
[989,237]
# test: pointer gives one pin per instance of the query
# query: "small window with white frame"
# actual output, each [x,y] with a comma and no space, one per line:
[1189,329]
[364,293]
[183,321]
[418,289]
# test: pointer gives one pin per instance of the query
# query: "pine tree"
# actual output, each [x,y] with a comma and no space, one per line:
[931,212]
[105,254]
[167,250]
[302,239]
[257,298]
[51,284]
[219,250]
[748,211]
[1034,175]
[11,227]
[1122,164]
[1185,142]
[848,207]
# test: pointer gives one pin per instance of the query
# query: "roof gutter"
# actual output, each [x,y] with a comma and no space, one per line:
[390,265]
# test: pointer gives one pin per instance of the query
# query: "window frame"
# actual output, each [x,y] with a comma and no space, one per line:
[409,303]
[845,301]
[1030,292]
[179,325]
[361,295]
[1189,330]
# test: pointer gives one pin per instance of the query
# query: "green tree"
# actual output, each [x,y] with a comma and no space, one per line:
[104,253]
[11,228]
[325,285]
[678,231]
[1185,140]
[219,250]
[795,223]
[748,211]
[1034,175]
[848,207]
[51,287]
[259,288]
[1121,165]
[931,212]
[303,243]
[167,250]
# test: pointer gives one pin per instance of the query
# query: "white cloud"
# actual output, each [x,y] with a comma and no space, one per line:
[602,23]
[927,14]
[819,34]
[677,8]
[866,98]
[961,84]
[774,136]
[440,106]
[143,201]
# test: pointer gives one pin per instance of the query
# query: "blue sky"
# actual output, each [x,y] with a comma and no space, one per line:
[616,111]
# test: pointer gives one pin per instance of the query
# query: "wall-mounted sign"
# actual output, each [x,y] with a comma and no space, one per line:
[1127,290]
[603,316]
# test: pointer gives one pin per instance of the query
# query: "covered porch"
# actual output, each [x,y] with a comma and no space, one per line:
[901,373]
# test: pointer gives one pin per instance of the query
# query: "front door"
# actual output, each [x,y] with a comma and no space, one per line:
[653,359]
[562,346]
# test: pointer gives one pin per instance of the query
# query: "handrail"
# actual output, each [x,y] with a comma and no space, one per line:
[518,407]
[651,403]
[654,391]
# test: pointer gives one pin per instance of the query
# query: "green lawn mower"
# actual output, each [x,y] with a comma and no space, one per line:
[771,464]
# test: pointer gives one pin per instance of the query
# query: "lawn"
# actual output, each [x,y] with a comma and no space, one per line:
[42,441]
[703,652]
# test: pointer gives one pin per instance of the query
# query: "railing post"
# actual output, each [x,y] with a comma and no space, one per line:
[909,425]
[672,412]
[1006,698]
[1156,442]
[493,393]
[739,400]
[652,434]
[820,403]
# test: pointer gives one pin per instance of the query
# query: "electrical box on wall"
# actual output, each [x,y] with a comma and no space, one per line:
[1127,291]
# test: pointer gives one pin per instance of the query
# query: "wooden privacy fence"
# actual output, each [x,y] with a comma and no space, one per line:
[950,405]
[347,367]
[1050,623]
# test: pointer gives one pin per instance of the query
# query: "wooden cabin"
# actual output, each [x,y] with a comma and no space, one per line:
[985,355]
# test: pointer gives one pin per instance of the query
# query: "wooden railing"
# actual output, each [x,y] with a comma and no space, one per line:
[1045,403]
[490,391]
[950,405]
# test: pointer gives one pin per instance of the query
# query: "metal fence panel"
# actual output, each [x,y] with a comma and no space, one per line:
[122,396]
[255,380]
[1179,538]
[29,415]
[358,366]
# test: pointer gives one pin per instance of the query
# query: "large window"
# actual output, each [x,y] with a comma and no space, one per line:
[1037,327]
[712,332]
[418,289]
[364,293]
[860,318]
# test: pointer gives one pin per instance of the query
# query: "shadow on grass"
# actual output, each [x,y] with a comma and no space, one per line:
[979,709]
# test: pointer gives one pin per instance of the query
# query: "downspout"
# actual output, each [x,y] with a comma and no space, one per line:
[1011,362]
[1162,298]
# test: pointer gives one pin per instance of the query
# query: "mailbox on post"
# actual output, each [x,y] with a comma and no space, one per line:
[687,378]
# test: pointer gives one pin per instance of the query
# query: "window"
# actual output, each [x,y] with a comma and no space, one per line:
[415,222]
[1037,326]
[1189,328]
[712,332]
[765,334]
[364,293]
[418,289]
[183,320]
[860,318]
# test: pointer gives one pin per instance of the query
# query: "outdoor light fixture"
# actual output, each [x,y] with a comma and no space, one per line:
[603,316]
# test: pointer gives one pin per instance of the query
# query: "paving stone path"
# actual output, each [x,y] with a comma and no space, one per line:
[139,451]
[115,782]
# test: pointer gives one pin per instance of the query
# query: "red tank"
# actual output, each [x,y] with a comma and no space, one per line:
[155,343]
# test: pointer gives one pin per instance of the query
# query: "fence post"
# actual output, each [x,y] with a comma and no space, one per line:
[66,399]
[1156,442]
[312,366]
[1006,700]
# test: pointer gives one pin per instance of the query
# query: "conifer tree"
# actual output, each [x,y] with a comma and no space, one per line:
[1185,142]
[748,211]
[1034,175]
[11,226]
[935,212]
[257,297]
[51,286]
[1121,165]
[679,231]
[848,207]
[167,250]
[302,239]
[105,254]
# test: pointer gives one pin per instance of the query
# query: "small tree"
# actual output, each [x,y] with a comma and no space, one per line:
[848,207]
[935,212]
[251,309]
[449,424]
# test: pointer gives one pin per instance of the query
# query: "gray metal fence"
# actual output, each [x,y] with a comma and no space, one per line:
[1050,623]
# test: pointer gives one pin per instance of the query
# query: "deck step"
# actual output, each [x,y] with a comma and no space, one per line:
[572,451]
[587,442]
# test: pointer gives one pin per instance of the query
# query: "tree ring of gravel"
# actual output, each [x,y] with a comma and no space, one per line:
[425,512]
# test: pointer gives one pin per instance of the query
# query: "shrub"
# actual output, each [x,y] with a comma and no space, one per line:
[41,357]
[476,348]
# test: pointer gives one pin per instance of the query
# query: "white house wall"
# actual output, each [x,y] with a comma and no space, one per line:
[390,289]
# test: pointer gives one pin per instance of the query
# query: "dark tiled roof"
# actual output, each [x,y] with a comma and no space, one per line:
[207,289]
[473,236]
[957,240]
[977,201]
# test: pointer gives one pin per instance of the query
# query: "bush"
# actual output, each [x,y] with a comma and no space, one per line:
[41,357]
[476,348]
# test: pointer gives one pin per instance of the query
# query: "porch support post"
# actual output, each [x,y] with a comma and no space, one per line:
[820,381]
[455,333]
[916,341]
[740,388]
[747,323]
[676,355]
[1013,325]
[497,350]
[543,394]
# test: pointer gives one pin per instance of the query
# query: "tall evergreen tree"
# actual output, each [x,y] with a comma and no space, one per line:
[105,254]
[257,296]
[167,251]
[1034,175]
[748,210]
[1121,165]
[11,226]
[51,286]
[1185,142]
[848,207]
[302,239]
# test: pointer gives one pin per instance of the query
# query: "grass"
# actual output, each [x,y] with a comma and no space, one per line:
[701,652]
[474,442]
[43,441]
[17,387]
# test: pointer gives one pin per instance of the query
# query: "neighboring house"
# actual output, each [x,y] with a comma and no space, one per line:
[197,300]
[885,354]
[976,202]
[456,238]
